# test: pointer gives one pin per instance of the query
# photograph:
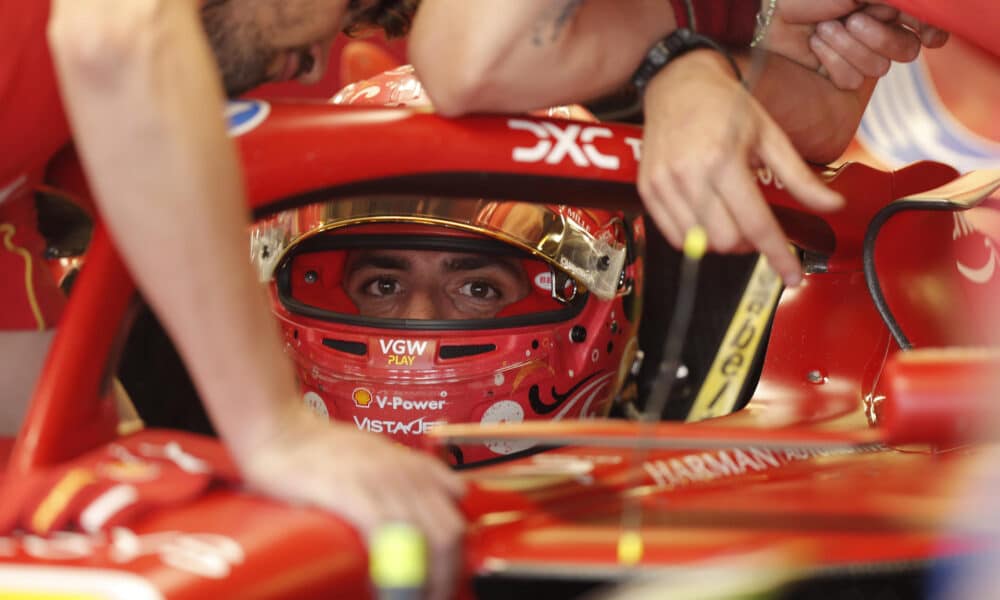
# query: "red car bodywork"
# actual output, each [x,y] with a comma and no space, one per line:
[824,483]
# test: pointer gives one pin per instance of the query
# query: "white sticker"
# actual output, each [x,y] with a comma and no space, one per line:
[505,411]
[315,403]
[543,281]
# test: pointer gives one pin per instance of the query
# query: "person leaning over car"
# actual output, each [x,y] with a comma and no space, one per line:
[134,82]
[704,133]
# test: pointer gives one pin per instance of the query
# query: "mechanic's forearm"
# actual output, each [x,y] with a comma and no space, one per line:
[819,118]
[146,108]
[512,56]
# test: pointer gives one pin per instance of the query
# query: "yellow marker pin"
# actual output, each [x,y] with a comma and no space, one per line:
[630,548]
[398,557]
[695,242]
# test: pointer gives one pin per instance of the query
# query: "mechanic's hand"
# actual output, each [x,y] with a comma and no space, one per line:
[703,135]
[848,40]
[367,480]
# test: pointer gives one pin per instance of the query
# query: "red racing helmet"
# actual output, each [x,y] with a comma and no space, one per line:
[406,311]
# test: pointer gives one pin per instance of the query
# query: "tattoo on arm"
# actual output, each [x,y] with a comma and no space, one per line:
[554,20]
[564,16]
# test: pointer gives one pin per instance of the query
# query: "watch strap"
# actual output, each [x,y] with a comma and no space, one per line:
[676,44]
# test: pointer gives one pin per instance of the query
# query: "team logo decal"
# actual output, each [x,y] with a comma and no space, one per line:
[419,426]
[402,353]
[244,116]
[554,143]
[385,400]
[362,397]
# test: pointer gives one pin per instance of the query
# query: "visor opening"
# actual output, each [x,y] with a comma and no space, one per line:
[355,348]
[446,352]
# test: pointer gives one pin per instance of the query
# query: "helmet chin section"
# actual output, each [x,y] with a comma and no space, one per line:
[401,383]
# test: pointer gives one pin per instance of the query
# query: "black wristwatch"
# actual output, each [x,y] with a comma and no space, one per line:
[678,43]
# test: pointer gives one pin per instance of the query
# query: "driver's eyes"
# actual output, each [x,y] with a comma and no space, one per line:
[480,290]
[383,286]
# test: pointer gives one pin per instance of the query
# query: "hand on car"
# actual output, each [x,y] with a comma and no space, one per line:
[369,481]
[848,40]
[703,136]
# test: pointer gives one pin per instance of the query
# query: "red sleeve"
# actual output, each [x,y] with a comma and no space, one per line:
[681,13]
[32,128]
[729,22]
[742,22]
[32,124]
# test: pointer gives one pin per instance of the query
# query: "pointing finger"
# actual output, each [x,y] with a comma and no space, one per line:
[758,223]
[777,151]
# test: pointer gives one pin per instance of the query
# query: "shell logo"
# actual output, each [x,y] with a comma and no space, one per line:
[362,397]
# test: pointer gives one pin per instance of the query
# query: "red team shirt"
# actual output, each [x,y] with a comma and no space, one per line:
[32,128]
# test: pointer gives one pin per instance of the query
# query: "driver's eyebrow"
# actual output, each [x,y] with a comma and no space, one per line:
[472,263]
[379,261]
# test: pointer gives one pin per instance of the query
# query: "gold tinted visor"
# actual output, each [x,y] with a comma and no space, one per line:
[595,264]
